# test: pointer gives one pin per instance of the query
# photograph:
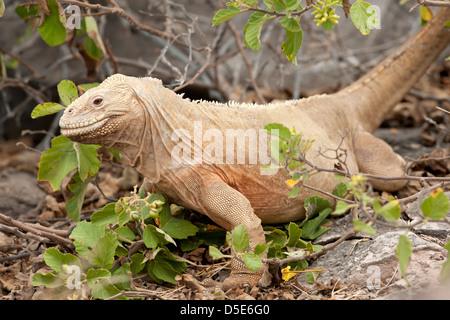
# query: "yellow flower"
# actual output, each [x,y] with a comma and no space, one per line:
[286,274]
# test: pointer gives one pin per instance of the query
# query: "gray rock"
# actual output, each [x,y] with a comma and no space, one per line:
[19,193]
[372,263]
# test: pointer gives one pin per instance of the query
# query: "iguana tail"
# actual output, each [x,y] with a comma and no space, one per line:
[376,93]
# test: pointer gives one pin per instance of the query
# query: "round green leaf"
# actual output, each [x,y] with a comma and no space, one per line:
[252,261]
[67,91]
[52,30]
[225,14]
[240,238]
[436,206]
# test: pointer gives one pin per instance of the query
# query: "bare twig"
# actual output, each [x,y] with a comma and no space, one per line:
[326,248]
[247,63]
[198,73]
[432,3]
[37,232]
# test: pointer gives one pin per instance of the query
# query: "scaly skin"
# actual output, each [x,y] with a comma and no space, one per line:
[138,117]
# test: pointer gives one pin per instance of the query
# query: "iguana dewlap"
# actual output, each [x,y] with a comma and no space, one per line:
[147,124]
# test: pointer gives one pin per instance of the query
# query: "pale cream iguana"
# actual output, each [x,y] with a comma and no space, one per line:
[147,123]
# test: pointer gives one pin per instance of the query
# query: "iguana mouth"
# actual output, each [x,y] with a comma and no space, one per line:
[82,127]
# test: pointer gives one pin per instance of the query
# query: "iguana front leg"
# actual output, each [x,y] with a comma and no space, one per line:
[230,208]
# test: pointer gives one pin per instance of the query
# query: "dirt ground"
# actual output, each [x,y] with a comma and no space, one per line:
[415,128]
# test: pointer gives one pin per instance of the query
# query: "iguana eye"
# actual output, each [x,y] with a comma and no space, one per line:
[98,101]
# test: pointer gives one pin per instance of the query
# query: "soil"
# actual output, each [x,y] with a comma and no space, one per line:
[415,129]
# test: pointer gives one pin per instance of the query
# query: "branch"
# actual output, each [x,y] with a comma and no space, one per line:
[36,232]
[248,65]
[117,10]
[199,71]
[282,14]
[326,248]
[432,3]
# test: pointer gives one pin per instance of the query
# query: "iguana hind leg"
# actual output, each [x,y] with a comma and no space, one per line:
[230,208]
[374,156]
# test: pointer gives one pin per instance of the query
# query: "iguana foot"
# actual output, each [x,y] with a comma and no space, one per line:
[234,281]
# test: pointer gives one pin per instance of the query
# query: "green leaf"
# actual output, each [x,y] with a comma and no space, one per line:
[29,14]
[67,91]
[124,217]
[312,276]
[102,254]
[436,206]
[215,253]
[164,267]
[260,248]
[390,211]
[122,276]
[87,157]
[279,5]
[269,5]
[86,235]
[86,86]
[316,204]
[252,261]
[174,226]
[290,24]
[107,215]
[278,130]
[55,259]
[328,25]
[364,17]
[294,234]
[57,162]
[313,229]
[444,276]
[74,204]
[2,8]
[46,109]
[277,237]
[292,5]
[154,237]
[293,193]
[225,14]
[93,44]
[404,252]
[126,233]
[240,238]
[52,30]
[252,30]
[341,207]
[94,275]
[138,261]
[104,289]
[361,226]
[292,45]
[340,190]
[49,280]
[65,156]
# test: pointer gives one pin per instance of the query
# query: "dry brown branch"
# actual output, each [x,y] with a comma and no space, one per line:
[34,231]
[117,10]
[326,248]
[432,3]
[198,73]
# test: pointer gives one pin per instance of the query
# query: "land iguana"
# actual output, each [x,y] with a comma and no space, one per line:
[178,144]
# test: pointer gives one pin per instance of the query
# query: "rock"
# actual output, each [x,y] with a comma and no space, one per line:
[436,229]
[19,194]
[373,264]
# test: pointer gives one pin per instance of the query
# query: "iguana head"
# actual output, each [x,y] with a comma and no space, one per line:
[103,113]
